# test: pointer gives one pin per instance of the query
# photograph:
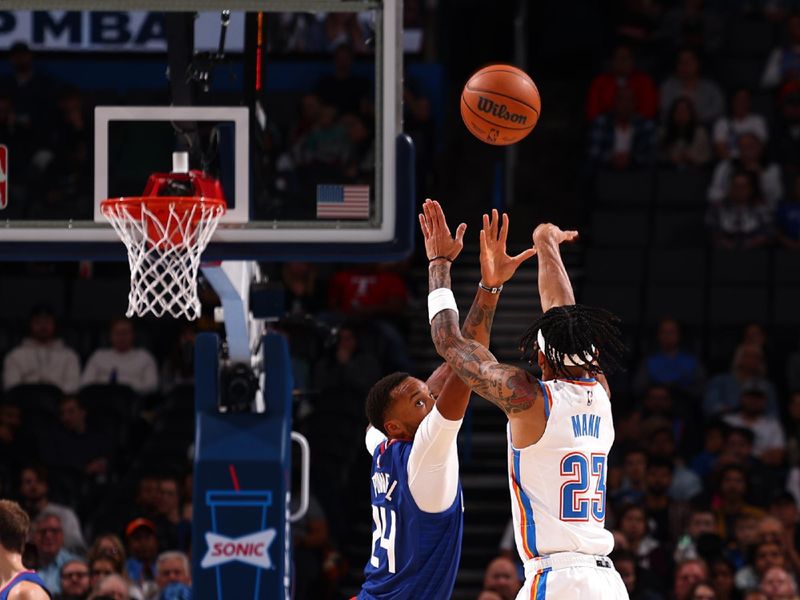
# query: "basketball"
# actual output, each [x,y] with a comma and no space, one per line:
[500,105]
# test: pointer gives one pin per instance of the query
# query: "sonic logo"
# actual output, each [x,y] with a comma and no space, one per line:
[252,549]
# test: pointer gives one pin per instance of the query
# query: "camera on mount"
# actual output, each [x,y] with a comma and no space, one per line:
[238,387]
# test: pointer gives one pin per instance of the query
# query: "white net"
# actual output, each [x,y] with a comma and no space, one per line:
[165,238]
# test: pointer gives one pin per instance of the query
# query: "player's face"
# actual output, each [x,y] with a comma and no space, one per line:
[412,401]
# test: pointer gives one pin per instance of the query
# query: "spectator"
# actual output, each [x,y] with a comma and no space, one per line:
[101,567]
[745,538]
[730,500]
[625,564]
[48,536]
[691,25]
[30,90]
[501,577]
[376,295]
[122,363]
[703,591]
[786,133]
[172,567]
[75,583]
[783,63]
[312,547]
[748,369]
[178,368]
[343,90]
[765,556]
[113,586]
[686,82]
[740,121]
[666,518]
[174,531]
[360,163]
[621,140]
[34,491]
[325,149]
[787,218]
[141,536]
[42,357]
[687,575]
[722,573]
[622,73]
[685,484]
[683,141]
[701,521]
[770,529]
[784,508]
[751,160]
[778,584]
[489,595]
[14,448]
[754,595]
[632,526]
[303,292]
[770,442]
[73,446]
[669,365]
[703,462]
[108,545]
[634,471]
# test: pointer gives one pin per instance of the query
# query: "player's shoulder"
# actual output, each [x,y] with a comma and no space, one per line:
[28,590]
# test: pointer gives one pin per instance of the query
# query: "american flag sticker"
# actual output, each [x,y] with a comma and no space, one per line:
[343,202]
[3,176]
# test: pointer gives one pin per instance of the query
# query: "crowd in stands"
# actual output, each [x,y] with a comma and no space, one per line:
[689,122]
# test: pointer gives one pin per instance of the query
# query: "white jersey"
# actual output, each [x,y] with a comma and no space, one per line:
[558,484]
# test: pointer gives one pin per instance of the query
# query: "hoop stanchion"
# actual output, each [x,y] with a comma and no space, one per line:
[165,237]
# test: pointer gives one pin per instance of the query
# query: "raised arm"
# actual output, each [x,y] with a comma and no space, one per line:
[555,288]
[508,387]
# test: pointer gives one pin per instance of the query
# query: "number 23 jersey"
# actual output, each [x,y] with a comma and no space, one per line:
[558,493]
[415,554]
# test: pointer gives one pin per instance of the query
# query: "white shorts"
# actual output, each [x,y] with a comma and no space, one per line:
[558,577]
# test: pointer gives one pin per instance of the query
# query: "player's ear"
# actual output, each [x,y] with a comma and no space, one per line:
[393,427]
[540,359]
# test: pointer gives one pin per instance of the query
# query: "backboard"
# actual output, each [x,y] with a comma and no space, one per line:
[293,105]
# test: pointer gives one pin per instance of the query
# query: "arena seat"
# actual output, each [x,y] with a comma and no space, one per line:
[680,228]
[677,265]
[786,307]
[623,300]
[624,188]
[616,228]
[686,303]
[740,266]
[681,188]
[23,293]
[787,267]
[747,38]
[98,300]
[734,305]
[614,265]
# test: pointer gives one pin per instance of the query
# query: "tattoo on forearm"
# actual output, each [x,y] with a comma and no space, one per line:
[478,323]
[438,275]
[510,388]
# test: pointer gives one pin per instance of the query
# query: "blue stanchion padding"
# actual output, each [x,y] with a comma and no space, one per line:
[242,474]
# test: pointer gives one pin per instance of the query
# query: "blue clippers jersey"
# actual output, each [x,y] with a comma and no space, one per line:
[24,576]
[415,554]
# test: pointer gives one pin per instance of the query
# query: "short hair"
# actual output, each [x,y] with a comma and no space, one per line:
[576,329]
[14,526]
[623,512]
[173,555]
[72,561]
[48,513]
[742,431]
[379,398]
[38,469]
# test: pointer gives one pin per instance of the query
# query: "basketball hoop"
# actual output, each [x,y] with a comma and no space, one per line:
[165,237]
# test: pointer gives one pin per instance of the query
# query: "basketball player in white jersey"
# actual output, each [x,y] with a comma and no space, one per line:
[560,429]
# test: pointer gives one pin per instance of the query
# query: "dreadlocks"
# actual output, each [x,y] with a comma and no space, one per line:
[579,330]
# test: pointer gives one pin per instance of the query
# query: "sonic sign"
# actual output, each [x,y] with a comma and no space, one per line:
[109,31]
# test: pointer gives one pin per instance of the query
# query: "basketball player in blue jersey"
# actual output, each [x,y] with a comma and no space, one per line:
[559,429]
[16,582]
[417,509]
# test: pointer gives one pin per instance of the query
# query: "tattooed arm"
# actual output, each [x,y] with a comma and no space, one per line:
[509,387]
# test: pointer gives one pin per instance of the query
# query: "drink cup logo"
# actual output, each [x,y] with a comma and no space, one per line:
[252,549]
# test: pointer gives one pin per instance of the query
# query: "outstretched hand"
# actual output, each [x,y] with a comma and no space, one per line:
[552,232]
[497,266]
[438,240]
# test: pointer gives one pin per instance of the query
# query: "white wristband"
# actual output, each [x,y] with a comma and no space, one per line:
[441,299]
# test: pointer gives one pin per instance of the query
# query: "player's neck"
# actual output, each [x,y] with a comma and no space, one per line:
[10,566]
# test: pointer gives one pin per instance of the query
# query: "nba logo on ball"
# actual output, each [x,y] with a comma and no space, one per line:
[3,176]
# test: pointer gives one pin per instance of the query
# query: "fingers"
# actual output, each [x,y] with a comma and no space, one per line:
[485,223]
[423,225]
[571,236]
[495,222]
[460,232]
[523,256]
[439,215]
[483,238]
[504,229]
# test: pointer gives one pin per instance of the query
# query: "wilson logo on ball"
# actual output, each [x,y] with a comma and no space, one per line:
[500,111]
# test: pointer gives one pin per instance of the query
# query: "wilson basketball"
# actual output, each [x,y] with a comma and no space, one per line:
[500,105]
